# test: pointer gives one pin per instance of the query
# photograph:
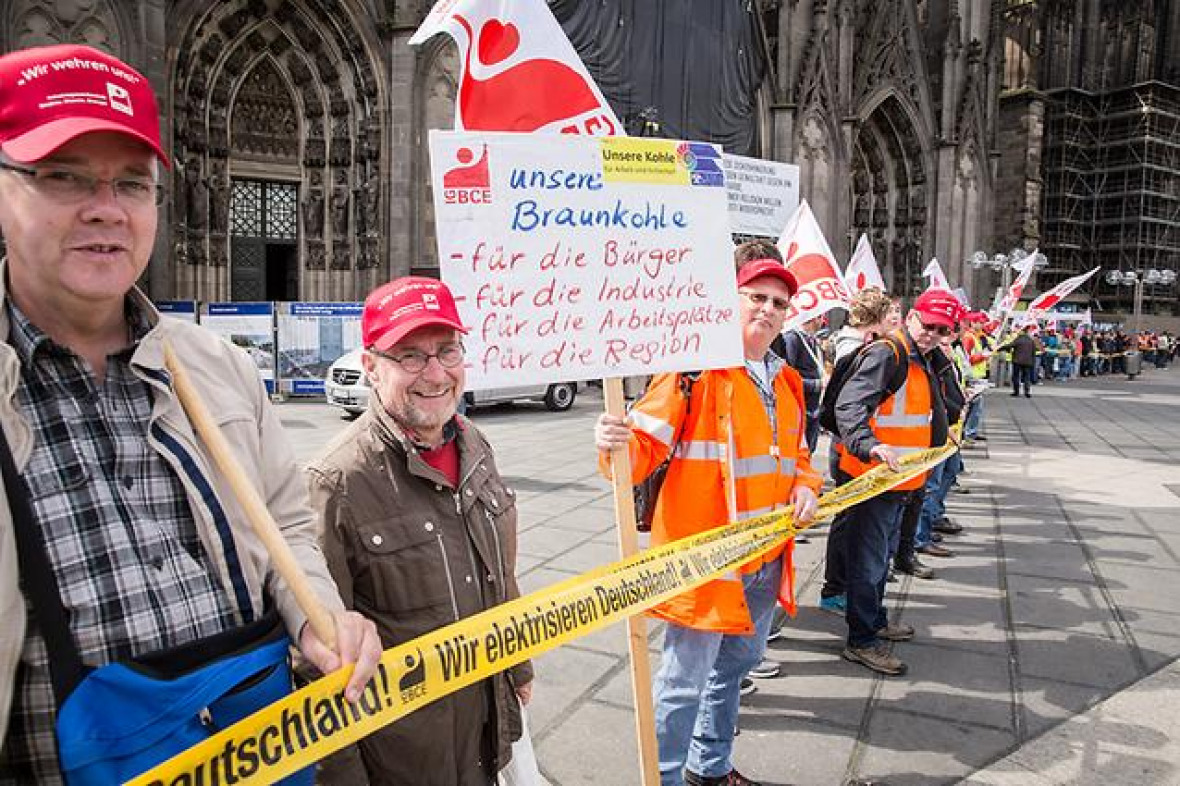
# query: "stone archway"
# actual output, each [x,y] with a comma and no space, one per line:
[322,130]
[889,195]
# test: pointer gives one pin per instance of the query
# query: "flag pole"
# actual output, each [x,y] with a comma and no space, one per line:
[645,727]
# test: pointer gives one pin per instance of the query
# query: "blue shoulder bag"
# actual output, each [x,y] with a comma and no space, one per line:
[118,721]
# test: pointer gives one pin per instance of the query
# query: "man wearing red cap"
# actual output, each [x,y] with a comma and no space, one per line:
[149,548]
[420,531]
[737,442]
[879,427]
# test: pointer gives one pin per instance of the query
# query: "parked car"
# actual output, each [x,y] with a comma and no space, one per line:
[346,387]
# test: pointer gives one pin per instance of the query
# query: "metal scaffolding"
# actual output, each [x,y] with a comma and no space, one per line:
[1111,173]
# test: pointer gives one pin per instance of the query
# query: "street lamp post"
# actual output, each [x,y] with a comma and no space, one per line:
[1137,278]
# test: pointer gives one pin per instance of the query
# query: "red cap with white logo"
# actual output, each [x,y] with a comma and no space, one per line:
[396,309]
[51,95]
[938,307]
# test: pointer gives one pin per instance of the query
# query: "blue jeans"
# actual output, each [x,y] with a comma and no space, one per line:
[870,532]
[974,417]
[938,485]
[696,689]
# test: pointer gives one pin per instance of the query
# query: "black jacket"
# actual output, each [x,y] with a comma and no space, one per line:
[1024,350]
[868,385]
[793,346]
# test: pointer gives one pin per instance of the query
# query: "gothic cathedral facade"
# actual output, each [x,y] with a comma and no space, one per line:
[297,127]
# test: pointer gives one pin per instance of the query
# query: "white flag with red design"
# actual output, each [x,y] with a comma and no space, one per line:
[937,278]
[863,271]
[1012,296]
[809,257]
[517,69]
[1050,298]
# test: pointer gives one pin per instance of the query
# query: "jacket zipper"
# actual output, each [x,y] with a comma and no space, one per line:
[450,582]
[496,541]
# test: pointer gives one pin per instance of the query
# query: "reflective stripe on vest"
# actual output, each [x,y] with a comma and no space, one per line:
[898,416]
[649,424]
[763,465]
[699,450]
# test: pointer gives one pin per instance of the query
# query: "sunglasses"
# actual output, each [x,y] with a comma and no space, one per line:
[942,330]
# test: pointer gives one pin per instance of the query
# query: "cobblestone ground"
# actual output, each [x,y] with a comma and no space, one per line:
[1061,593]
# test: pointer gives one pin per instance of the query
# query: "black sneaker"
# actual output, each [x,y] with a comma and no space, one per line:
[747,687]
[946,526]
[733,778]
[915,568]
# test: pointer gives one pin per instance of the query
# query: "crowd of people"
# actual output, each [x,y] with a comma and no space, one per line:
[1085,352]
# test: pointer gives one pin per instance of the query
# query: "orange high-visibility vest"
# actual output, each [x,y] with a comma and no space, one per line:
[727,466]
[902,421]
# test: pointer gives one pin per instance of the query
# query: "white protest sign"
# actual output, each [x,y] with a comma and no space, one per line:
[575,257]
[762,194]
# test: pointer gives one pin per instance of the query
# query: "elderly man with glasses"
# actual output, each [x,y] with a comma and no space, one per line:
[420,531]
[877,426]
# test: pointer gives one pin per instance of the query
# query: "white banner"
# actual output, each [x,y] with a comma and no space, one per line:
[517,69]
[937,278]
[863,271]
[762,194]
[809,257]
[577,257]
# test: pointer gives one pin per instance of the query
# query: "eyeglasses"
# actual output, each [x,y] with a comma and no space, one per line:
[942,330]
[69,186]
[760,300]
[414,361]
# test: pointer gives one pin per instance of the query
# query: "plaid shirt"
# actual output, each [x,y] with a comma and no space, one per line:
[121,537]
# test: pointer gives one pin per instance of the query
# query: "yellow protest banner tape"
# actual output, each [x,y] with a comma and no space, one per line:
[316,721]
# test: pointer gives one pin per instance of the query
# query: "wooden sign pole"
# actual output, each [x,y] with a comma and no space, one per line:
[649,758]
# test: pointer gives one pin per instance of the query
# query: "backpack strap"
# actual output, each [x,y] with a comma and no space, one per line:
[66,669]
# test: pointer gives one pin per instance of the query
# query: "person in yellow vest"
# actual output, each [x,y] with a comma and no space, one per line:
[877,426]
[740,451]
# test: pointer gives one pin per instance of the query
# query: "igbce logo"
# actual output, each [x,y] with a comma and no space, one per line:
[468,183]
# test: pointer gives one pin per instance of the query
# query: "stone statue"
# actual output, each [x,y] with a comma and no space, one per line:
[313,207]
[219,198]
[370,202]
[196,196]
[340,200]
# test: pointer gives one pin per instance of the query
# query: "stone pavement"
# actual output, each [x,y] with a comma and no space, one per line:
[1061,595]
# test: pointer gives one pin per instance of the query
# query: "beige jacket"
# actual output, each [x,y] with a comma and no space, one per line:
[228,382]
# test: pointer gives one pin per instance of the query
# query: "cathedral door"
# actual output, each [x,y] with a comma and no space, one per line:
[264,248]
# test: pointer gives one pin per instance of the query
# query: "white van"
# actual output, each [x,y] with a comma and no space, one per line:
[347,387]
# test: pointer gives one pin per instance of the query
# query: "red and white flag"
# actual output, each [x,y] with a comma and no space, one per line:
[1012,296]
[937,278]
[863,271]
[1050,298]
[809,257]
[518,71]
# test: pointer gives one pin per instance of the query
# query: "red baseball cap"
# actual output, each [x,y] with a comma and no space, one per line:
[757,268]
[395,309]
[938,307]
[52,94]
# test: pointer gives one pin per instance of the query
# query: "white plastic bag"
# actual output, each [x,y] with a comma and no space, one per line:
[522,770]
